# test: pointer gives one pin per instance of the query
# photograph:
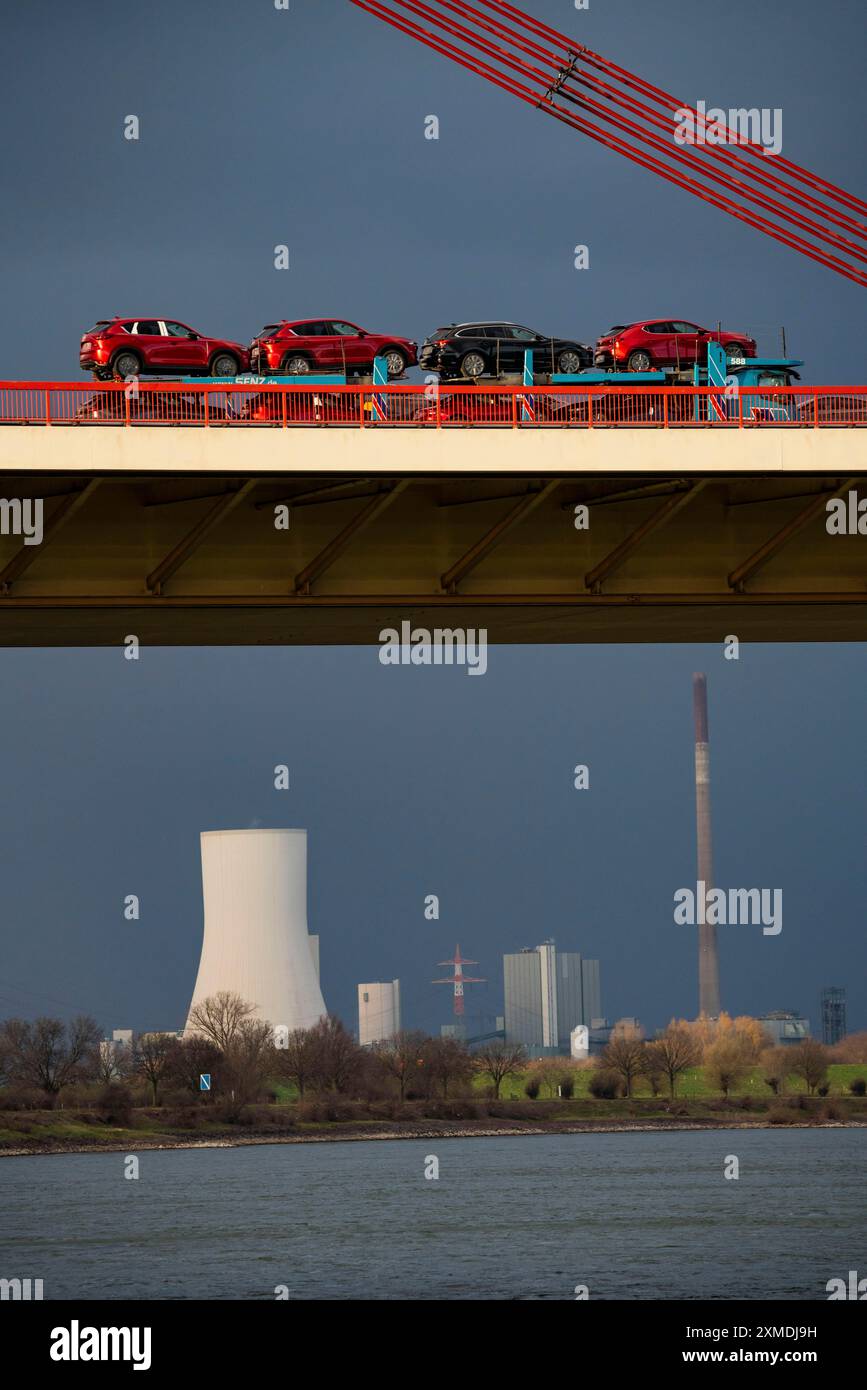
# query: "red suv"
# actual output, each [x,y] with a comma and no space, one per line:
[123,347]
[327,345]
[641,347]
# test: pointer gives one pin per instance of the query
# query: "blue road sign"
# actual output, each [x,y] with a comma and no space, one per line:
[205,1081]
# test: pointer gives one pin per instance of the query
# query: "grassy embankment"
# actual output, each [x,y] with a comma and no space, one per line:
[695,1104]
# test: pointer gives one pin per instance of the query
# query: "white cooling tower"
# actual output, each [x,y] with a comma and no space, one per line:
[256,942]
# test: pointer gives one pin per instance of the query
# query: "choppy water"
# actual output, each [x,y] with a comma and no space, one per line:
[630,1215]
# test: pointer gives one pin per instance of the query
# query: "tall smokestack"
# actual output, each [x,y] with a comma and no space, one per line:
[708,955]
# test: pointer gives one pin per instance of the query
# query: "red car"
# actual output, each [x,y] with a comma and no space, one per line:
[123,347]
[468,405]
[327,345]
[298,408]
[642,347]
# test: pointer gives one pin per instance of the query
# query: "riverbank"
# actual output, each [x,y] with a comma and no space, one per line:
[131,1142]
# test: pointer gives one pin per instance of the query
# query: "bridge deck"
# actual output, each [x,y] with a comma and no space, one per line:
[171,534]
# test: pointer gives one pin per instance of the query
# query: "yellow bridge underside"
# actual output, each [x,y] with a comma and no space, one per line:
[169,533]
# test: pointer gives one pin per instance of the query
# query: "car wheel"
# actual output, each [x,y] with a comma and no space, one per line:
[126,364]
[396,363]
[224,364]
[735,350]
[568,362]
[639,362]
[296,366]
[473,365]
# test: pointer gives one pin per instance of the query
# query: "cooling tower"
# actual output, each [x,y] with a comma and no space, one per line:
[256,942]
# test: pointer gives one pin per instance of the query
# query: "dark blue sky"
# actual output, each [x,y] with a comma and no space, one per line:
[417,781]
[306,128]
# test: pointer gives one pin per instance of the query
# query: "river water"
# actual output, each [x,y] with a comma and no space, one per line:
[630,1215]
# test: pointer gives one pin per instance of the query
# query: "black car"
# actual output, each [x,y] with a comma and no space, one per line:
[489,349]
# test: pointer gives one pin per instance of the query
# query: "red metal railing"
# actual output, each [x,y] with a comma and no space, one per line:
[275,406]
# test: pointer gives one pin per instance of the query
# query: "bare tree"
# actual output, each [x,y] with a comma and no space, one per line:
[336,1056]
[402,1057]
[297,1060]
[500,1060]
[192,1058]
[809,1059]
[219,1017]
[247,1063]
[727,1061]
[775,1065]
[625,1056]
[13,1046]
[113,1062]
[154,1057]
[48,1054]
[447,1063]
[852,1048]
[674,1053]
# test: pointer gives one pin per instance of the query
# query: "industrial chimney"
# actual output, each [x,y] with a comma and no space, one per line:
[708,955]
[256,942]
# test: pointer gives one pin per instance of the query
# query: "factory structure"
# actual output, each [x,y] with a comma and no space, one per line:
[256,943]
[833,1007]
[378,1012]
[548,995]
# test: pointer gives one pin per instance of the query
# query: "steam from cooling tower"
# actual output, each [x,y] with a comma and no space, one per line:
[708,953]
[256,942]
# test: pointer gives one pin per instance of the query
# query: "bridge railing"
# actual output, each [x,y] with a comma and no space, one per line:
[211,405]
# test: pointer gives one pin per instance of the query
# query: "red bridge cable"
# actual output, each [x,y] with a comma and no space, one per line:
[682,155]
[638,84]
[527,95]
[768,179]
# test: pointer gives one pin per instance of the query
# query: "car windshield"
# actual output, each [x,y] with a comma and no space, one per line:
[98,327]
[269,330]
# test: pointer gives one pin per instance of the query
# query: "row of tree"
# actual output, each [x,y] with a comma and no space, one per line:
[728,1054]
[226,1041]
[238,1053]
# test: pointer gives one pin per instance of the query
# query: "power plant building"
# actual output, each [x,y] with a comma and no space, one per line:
[785,1028]
[833,1015]
[256,943]
[548,993]
[378,1012]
